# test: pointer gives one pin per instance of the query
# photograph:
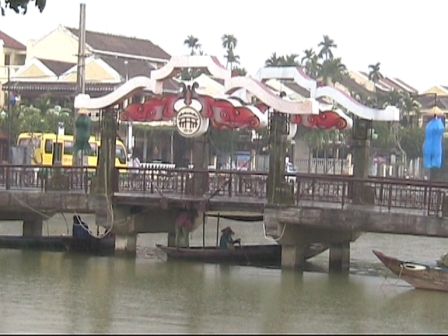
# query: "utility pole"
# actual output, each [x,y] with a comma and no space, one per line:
[80,73]
[80,79]
[9,116]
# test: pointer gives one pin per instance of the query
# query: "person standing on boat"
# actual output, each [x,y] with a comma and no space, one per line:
[183,227]
[226,240]
[80,228]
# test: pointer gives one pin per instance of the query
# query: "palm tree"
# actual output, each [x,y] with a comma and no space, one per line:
[374,74]
[229,42]
[289,60]
[411,108]
[312,67]
[326,45]
[232,58]
[237,71]
[332,71]
[273,60]
[309,54]
[192,43]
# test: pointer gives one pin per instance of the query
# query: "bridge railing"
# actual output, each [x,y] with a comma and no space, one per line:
[46,178]
[427,196]
[430,198]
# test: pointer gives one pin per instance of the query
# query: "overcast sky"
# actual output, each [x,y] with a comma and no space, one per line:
[408,38]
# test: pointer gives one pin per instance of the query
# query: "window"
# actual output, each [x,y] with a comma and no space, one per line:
[93,149]
[48,146]
[120,153]
[68,148]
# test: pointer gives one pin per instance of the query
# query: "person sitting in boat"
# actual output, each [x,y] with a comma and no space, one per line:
[226,240]
[80,229]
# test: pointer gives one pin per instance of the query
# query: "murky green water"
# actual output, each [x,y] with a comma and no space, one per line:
[53,292]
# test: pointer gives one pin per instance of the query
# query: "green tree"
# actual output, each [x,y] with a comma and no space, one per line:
[309,54]
[273,61]
[312,66]
[411,109]
[20,6]
[374,73]
[326,45]
[229,43]
[192,43]
[289,60]
[412,139]
[237,71]
[332,71]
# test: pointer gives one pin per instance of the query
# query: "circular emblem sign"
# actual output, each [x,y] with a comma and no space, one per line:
[188,122]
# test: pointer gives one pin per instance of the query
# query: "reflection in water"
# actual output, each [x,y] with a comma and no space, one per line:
[68,293]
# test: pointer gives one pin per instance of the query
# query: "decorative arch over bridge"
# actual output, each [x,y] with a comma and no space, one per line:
[193,112]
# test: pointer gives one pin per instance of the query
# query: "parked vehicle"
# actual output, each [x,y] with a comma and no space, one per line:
[49,148]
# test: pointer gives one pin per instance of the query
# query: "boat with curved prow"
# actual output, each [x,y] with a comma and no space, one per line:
[418,275]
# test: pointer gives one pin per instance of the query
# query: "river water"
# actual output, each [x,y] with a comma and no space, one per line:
[56,292]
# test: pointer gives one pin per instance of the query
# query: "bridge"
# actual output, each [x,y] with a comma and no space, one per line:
[297,209]
[321,208]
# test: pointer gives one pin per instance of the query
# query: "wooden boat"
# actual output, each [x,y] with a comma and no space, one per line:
[90,245]
[245,255]
[418,275]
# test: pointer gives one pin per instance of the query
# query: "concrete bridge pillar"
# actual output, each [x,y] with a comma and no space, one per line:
[339,257]
[32,227]
[171,239]
[293,256]
[126,244]
[125,234]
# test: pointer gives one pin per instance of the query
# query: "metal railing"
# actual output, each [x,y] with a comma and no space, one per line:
[46,178]
[428,197]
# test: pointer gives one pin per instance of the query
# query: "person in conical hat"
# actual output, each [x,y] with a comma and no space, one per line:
[226,240]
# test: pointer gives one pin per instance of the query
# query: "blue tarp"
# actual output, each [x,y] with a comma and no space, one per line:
[433,145]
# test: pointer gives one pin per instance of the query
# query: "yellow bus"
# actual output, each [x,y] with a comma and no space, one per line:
[50,148]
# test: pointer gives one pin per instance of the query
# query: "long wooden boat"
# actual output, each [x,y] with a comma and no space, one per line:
[91,245]
[418,275]
[245,254]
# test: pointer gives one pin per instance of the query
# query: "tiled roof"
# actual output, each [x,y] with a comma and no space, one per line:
[65,89]
[296,88]
[56,66]
[122,45]
[430,100]
[409,88]
[10,42]
[387,84]
[354,86]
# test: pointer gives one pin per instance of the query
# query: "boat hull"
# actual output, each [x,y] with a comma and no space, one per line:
[247,255]
[92,245]
[418,275]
